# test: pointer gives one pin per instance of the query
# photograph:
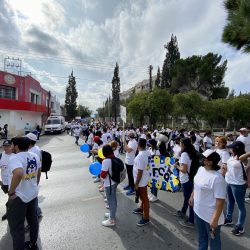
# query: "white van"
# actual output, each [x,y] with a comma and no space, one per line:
[55,124]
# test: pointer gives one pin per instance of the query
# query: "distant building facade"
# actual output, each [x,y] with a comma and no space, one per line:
[139,87]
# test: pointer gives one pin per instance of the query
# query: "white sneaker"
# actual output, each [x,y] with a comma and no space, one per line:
[108,223]
[107,215]
[153,198]
[106,200]
[97,180]
[107,206]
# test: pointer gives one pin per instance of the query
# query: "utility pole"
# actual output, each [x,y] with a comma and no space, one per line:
[150,77]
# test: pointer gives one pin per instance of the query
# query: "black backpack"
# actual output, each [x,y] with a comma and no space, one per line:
[46,162]
[118,170]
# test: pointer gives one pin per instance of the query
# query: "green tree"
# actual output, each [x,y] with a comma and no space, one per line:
[203,74]
[188,105]
[240,107]
[237,31]
[83,111]
[100,113]
[172,55]
[138,107]
[216,112]
[70,98]
[116,92]
[158,78]
[159,106]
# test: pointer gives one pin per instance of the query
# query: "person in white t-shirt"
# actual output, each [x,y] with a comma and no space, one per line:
[90,141]
[109,185]
[220,148]
[36,150]
[25,172]
[207,141]
[4,160]
[188,153]
[141,177]
[106,136]
[177,148]
[236,188]
[77,129]
[207,199]
[245,138]
[130,149]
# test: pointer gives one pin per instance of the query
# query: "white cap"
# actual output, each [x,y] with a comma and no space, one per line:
[31,136]
[208,152]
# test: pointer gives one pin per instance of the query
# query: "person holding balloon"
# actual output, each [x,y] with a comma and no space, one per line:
[98,144]
[109,185]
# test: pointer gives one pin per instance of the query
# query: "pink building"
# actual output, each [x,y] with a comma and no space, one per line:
[22,100]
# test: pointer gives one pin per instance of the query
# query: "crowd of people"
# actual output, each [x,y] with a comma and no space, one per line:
[221,177]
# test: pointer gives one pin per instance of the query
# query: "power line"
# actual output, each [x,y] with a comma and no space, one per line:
[99,63]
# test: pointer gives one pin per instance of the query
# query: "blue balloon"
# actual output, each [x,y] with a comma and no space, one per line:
[84,148]
[95,168]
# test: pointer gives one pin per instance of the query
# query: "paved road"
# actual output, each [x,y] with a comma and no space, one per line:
[73,210]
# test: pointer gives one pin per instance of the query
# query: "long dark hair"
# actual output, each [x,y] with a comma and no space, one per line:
[188,148]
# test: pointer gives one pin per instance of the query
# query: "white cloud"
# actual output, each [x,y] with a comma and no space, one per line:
[133,34]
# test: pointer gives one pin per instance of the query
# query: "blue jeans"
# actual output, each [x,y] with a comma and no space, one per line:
[187,191]
[204,237]
[154,191]
[236,193]
[112,201]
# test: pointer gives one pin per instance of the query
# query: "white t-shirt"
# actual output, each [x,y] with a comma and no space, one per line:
[90,140]
[185,159]
[106,166]
[130,157]
[198,139]
[36,150]
[209,185]
[177,151]
[143,136]
[77,130]
[141,162]
[5,175]
[209,142]
[224,156]
[246,141]
[106,138]
[27,189]
[234,174]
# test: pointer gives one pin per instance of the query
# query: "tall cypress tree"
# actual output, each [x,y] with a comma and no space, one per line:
[172,55]
[158,79]
[70,97]
[116,92]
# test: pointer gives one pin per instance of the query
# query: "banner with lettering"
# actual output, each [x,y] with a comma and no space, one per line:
[163,175]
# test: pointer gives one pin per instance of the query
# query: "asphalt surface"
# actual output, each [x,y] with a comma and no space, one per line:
[73,210]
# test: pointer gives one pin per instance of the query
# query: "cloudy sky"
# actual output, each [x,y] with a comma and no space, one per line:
[52,37]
